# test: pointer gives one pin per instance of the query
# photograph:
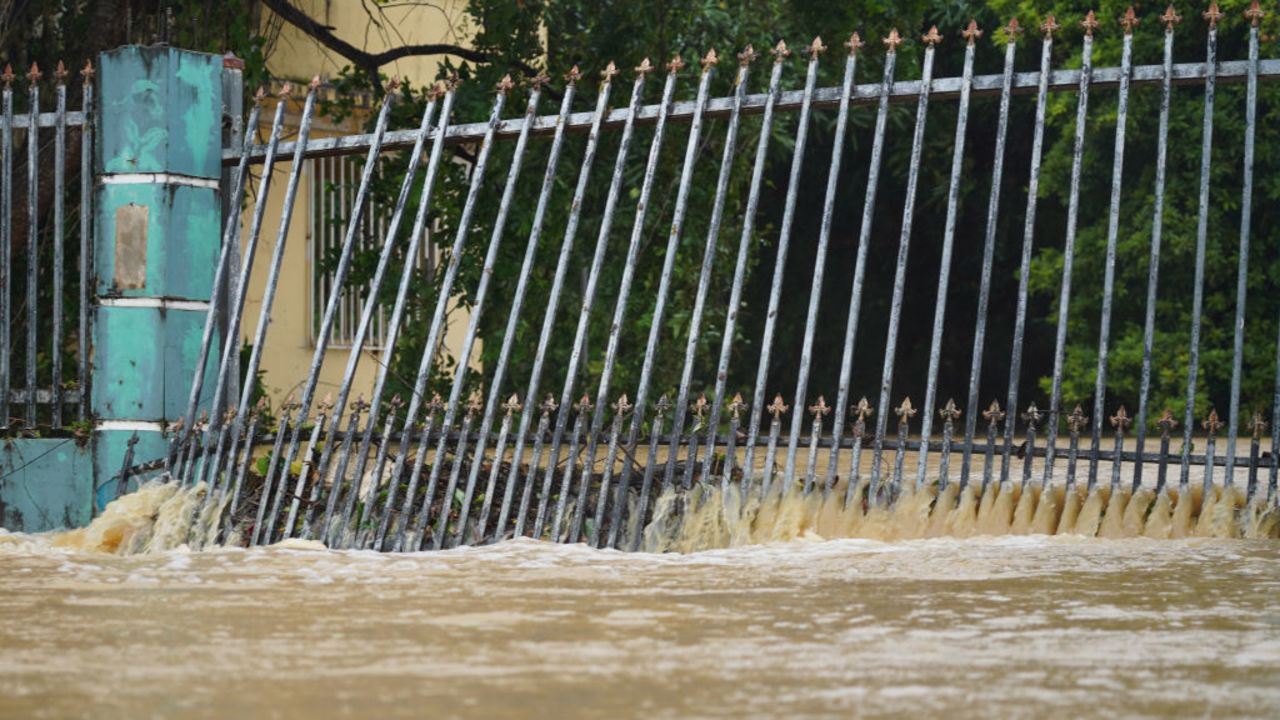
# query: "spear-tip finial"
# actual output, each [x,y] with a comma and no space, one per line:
[644,68]
[747,56]
[393,85]
[573,76]
[584,404]
[863,409]
[7,77]
[314,85]
[435,403]
[1212,423]
[622,406]
[1089,23]
[1033,415]
[436,92]
[1077,419]
[34,74]
[505,85]
[663,405]
[820,408]
[854,43]
[709,60]
[1121,419]
[777,407]
[60,73]
[549,404]
[537,81]
[1013,30]
[512,405]
[260,95]
[699,406]
[1212,15]
[1166,421]
[1170,18]
[971,33]
[780,51]
[1129,21]
[327,402]
[950,412]
[892,42]
[609,72]
[993,412]
[736,406]
[905,411]
[815,47]
[474,401]
[932,37]
[1254,14]
[285,91]
[396,401]
[452,82]
[87,71]
[676,64]
[1050,26]
[1257,425]
[360,404]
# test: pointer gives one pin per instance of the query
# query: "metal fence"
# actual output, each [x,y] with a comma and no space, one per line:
[45,286]
[589,462]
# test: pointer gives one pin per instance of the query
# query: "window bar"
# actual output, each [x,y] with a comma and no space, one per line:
[1254,15]
[1212,15]
[779,271]
[1012,30]
[1170,19]
[819,268]
[971,35]
[371,307]
[900,274]
[1068,256]
[745,242]
[1109,272]
[588,304]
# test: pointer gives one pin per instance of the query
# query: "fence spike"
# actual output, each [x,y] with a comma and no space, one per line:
[504,85]
[1013,30]
[1050,26]
[60,73]
[34,74]
[971,33]
[892,42]
[747,56]
[7,77]
[709,60]
[1170,18]
[512,405]
[1129,21]
[610,71]
[779,52]
[816,47]
[675,65]
[1090,23]
[1212,15]
[573,76]
[854,44]
[932,37]
[644,68]
[1211,423]
[1254,14]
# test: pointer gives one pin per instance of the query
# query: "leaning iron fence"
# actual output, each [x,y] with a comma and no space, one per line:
[591,463]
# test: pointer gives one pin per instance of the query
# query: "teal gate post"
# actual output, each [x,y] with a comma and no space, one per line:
[158,212]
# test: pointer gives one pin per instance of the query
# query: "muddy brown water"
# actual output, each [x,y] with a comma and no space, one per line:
[989,625]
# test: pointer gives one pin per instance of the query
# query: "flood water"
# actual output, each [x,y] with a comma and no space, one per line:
[1027,625]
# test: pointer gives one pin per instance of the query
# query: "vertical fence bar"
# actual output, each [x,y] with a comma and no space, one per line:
[547,407]
[557,287]
[1068,250]
[86,214]
[264,500]
[971,35]
[1109,271]
[777,409]
[1120,421]
[949,414]
[509,408]
[620,410]
[739,278]
[1170,19]
[1212,15]
[1012,30]
[819,411]
[993,415]
[1254,14]
[6,245]
[779,270]
[584,316]
[1166,424]
[33,236]
[861,411]
[446,501]
[1075,423]
[660,410]
[59,189]
[1211,427]
[370,309]
[904,412]
[509,337]
[820,262]
[904,244]
[1256,427]
[1032,418]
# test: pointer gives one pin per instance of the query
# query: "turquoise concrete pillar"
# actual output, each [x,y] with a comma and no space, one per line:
[158,212]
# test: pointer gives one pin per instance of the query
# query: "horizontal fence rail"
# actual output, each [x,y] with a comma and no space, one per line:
[46,181]
[554,449]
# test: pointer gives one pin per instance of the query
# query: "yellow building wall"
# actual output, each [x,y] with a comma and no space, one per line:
[290,345]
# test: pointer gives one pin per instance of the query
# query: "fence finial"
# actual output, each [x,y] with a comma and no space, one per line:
[932,37]
[1212,423]
[1089,23]
[892,42]
[971,33]
[393,84]
[60,73]
[1049,26]
[434,404]
[1166,421]
[549,405]
[573,76]
[584,404]
[777,407]
[993,413]
[505,84]
[663,406]
[816,47]
[622,407]
[1013,30]
[1257,425]
[780,51]
[676,64]
[1170,18]
[747,56]
[1254,14]
[1129,21]
[537,81]
[863,409]
[609,72]
[905,411]
[1077,419]
[737,406]
[436,91]
[285,91]
[1121,419]
[699,406]
[34,74]
[820,408]
[709,60]
[950,412]
[7,77]
[314,84]
[1033,415]
[1212,15]
[854,43]
[452,82]
[512,405]
[644,68]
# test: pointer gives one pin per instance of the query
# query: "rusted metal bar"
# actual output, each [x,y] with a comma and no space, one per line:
[904,412]
[1109,269]
[1212,15]
[900,274]
[371,307]
[509,337]
[745,240]
[1254,15]
[357,209]
[790,101]
[33,242]
[1012,30]
[557,288]
[584,314]
[1211,426]
[736,406]
[971,35]
[820,261]
[59,211]
[779,271]
[1170,19]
